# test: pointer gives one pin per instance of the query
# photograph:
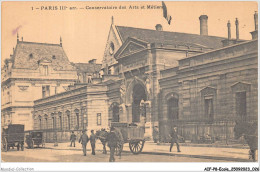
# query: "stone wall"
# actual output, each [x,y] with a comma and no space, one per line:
[218,78]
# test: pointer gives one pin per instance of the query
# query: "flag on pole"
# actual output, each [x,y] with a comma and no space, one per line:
[165,13]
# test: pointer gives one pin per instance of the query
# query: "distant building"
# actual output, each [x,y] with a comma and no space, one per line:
[88,71]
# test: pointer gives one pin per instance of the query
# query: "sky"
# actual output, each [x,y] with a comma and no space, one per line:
[84,31]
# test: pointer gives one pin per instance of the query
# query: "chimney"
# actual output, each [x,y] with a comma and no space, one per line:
[203,25]
[255,32]
[60,41]
[237,29]
[17,37]
[229,30]
[93,61]
[159,27]
[256,20]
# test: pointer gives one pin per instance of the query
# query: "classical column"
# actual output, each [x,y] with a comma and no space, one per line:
[129,112]
[148,124]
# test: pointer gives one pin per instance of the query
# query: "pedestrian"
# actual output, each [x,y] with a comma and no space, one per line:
[93,141]
[120,143]
[84,140]
[174,139]
[112,142]
[72,139]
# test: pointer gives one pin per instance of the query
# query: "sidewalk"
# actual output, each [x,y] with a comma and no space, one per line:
[204,152]
[216,144]
[214,153]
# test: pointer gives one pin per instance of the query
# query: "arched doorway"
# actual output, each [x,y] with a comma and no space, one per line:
[173,109]
[139,94]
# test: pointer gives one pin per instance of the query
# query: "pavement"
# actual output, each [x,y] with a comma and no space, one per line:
[152,152]
[192,151]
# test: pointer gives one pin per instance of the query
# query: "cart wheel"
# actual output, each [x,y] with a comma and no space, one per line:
[18,147]
[136,147]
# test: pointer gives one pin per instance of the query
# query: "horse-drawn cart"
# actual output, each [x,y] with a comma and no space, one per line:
[35,138]
[132,134]
[13,136]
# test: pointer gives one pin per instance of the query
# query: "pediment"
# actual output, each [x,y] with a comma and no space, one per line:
[130,46]
[240,86]
[208,91]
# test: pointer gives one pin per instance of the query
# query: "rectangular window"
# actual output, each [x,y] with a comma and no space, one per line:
[77,115]
[98,118]
[68,122]
[209,108]
[45,91]
[45,70]
[40,123]
[241,104]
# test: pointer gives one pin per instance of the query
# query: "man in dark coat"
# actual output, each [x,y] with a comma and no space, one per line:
[72,138]
[174,139]
[84,140]
[93,141]
[112,142]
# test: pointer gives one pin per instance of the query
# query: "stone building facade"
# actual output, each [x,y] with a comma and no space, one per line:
[33,71]
[208,93]
[83,105]
[202,84]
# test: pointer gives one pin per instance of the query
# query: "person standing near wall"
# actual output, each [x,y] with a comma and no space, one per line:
[93,141]
[112,142]
[84,140]
[72,139]
[174,139]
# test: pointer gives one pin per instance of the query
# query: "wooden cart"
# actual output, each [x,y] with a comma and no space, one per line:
[13,136]
[35,138]
[132,134]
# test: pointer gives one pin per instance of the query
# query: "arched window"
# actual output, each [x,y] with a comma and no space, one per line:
[68,119]
[53,121]
[77,118]
[40,122]
[46,121]
[60,119]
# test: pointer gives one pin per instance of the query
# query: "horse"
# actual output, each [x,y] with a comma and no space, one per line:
[249,131]
[102,136]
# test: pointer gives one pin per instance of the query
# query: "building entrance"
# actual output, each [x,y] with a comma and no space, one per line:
[138,95]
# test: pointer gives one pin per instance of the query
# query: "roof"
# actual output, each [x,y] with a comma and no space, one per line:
[165,37]
[87,67]
[27,55]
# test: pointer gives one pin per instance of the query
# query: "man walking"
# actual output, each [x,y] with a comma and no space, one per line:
[120,142]
[112,142]
[72,138]
[93,141]
[84,140]
[174,139]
